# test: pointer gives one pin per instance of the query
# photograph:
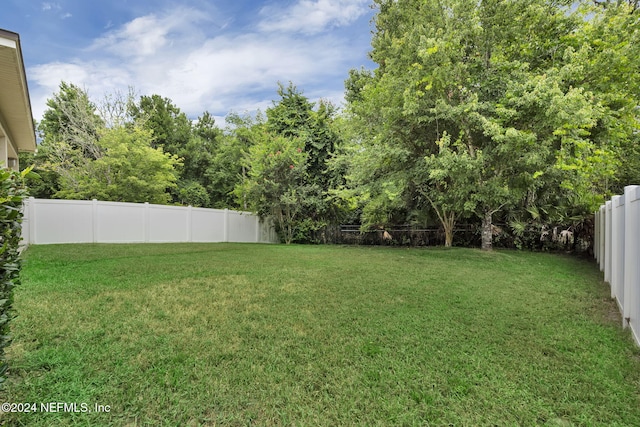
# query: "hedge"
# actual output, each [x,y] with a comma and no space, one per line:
[12,194]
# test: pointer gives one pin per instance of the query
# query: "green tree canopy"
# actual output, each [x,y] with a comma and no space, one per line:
[83,158]
[294,116]
[276,183]
[170,126]
[129,170]
[508,82]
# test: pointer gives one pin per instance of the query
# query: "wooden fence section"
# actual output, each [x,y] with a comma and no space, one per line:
[617,250]
[79,221]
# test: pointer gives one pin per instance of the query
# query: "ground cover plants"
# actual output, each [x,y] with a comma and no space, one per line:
[240,334]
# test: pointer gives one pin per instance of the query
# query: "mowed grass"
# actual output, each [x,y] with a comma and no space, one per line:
[239,334]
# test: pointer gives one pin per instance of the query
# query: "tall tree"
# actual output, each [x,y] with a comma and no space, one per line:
[69,133]
[294,116]
[128,170]
[607,64]
[198,156]
[445,179]
[194,144]
[276,183]
[499,78]
[228,167]
[170,126]
[83,155]
[71,119]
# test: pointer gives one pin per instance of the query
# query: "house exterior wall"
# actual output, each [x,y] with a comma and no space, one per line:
[17,131]
[4,151]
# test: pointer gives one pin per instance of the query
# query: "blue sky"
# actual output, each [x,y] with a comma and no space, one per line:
[219,56]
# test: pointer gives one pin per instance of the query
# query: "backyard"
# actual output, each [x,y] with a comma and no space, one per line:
[247,334]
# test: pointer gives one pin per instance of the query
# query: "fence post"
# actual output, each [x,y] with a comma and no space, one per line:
[257,228]
[32,220]
[602,251]
[607,243]
[146,222]
[94,220]
[189,222]
[596,230]
[226,225]
[617,249]
[631,253]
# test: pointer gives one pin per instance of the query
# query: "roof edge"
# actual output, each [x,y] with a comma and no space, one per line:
[23,75]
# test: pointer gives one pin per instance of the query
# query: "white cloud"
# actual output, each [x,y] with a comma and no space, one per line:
[312,16]
[146,35]
[95,77]
[170,54]
[49,6]
[141,37]
[225,68]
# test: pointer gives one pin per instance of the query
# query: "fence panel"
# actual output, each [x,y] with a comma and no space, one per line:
[242,228]
[618,253]
[81,221]
[118,222]
[607,241]
[205,225]
[168,224]
[60,221]
[617,250]
[631,306]
[596,236]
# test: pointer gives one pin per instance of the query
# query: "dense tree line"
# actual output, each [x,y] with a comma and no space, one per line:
[522,111]
[145,149]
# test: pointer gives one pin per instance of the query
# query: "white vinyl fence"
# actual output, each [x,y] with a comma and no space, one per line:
[617,250]
[79,221]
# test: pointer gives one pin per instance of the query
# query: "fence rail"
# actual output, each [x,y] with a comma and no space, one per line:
[80,221]
[617,250]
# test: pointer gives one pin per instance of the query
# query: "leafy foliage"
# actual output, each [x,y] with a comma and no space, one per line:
[128,170]
[522,112]
[194,194]
[12,194]
[523,89]
[444,180]
[228,168]
[293,116]
[71,118]
[276,183]
[170,127]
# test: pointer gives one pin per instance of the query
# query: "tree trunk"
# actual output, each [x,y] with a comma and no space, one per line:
[448,238]
[289,237]
[487,234]
[448,223]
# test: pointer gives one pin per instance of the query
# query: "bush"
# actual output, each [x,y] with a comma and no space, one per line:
[12,194]
[194,194]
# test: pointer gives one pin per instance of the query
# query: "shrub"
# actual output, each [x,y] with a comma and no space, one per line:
[194,194]
[12,194]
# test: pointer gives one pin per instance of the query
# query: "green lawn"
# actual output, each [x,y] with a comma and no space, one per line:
[240,334]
